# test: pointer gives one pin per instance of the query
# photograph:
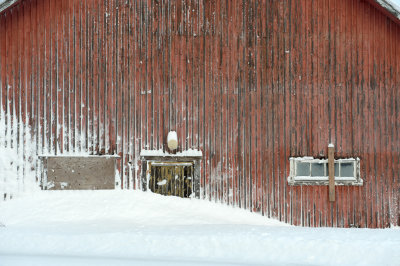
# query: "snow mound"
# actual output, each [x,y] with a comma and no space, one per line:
[142,228]
[129,208]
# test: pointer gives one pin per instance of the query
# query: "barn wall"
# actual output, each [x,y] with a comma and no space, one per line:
[249,83]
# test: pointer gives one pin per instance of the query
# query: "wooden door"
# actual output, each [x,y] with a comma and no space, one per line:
[171,178]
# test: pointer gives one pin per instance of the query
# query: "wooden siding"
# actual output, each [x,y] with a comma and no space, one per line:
[249,83]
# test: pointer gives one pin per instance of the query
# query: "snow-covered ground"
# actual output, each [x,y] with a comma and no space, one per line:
[132,227]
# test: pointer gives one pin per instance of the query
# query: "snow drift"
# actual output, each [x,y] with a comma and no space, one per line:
[127,227]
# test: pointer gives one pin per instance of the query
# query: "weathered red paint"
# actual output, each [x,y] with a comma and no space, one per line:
[250,83]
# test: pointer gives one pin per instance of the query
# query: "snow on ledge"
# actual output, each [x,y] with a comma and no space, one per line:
[161,153]
[322,160]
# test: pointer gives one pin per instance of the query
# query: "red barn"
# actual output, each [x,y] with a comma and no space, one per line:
[255,90]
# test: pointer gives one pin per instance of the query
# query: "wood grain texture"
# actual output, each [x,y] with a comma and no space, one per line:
[249,83]
[331,167]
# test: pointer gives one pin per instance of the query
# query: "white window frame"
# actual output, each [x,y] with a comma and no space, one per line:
[294,179]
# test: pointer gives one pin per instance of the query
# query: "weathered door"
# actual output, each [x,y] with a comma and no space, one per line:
[171,178]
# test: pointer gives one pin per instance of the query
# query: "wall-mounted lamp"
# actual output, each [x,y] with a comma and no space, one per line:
[172,140]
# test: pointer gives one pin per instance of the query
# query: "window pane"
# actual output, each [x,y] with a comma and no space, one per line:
[336,169]
[303,169]
[347,170]
[317,169]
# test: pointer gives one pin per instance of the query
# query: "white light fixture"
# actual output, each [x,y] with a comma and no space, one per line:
[172,140]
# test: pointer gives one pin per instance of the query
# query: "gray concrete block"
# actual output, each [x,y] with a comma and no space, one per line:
[75,173]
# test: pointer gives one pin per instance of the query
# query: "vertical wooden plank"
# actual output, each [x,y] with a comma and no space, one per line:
[8,80]
[155,74]
[189,112]
[17,92]
[90,86]
[179,70]
[15,86]
[130,107]
[109,84]
[137,81]
[47,86]
[2,63]
[74,75]
[25,100]
[331,173]
[125,95]
[23,78]
[230,86]
[50,79]
[59,138]
[40,78]
[68,82]
[224,130]
[263,102]
[101,77]
[118,88]
[83,101]
[95,26]
[285,53]
[195,18]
